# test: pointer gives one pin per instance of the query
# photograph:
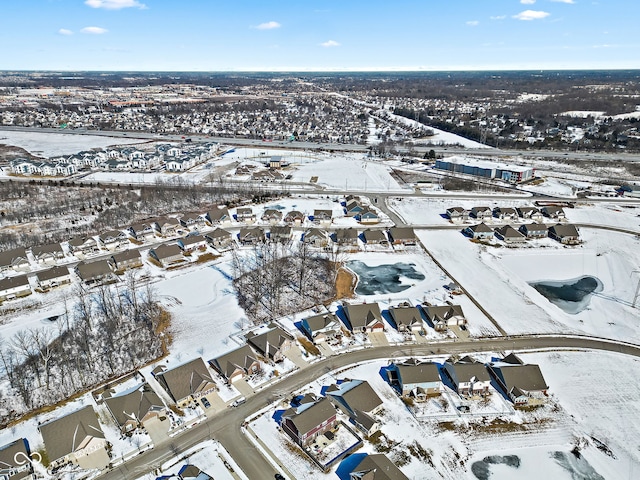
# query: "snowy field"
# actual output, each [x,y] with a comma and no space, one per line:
[54,144]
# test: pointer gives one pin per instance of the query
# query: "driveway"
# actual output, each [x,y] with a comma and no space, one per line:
[378,339]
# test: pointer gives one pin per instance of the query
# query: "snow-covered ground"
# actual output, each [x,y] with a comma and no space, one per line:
[54,144]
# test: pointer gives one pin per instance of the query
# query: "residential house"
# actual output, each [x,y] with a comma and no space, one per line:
[482,213]
[280,234]
[219,239]
[375,237]
[508,214]
[443,317]
[47,254]
[14,461]
[133,407]
[14,260]
[113,240]
[402,236]
[407,318]
[144,231]
[523,384]
[415,379]
[534,230]
[322,217]
[353,207]
[530,213]
[54,277]
[357,400]
[479,232]
[294,217]
[245,215]
[368,216]
[237,363]
[322,327]
[308,421]
[193,221]
[457,214]
[250,236]
[96,272]
[192,243]
[219,216]
[469,377]
[126,260]
[565,233]
[271,215]
[273,344]
[364,317]
[187,382]
[191,472]
[76,438]
[83,245]
[14,287]
[346,236]
[553,212]
[168,226]
[376,467]
[316,237]
[167,255]
[508,234]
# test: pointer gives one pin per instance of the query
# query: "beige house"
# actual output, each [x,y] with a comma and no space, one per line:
[187,382]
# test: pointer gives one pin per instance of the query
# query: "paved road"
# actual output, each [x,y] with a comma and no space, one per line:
[225,426]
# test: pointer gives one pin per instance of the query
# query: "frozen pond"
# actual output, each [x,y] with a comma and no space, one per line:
[381,279]
[572,296]
[557,465]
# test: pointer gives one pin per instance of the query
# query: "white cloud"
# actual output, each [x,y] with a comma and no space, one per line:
[268,25]
[330,43]
[498,17]
[527,2]
[531,15]
[94,30]
[64,31]
[115,4]
[571,2]
[473,23]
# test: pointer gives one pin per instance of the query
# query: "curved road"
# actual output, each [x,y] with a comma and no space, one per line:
[225,426]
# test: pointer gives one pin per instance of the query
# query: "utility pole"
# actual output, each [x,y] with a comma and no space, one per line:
[635,295]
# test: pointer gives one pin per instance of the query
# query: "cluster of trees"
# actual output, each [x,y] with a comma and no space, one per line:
[274,279]
[107,332]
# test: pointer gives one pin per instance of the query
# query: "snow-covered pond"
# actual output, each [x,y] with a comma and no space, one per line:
[572,296]
[387,278]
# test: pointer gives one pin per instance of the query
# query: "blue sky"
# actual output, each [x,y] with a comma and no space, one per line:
[214,35]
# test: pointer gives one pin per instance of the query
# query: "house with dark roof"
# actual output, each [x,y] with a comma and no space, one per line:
[469,377]
[14,287]
[76,438]
[407,318]
[322,327]
[534,230]
[482,213]
[375,237]
[457,214]
[479,232]
[565,233]
[167,255]
[376,467]
[273,343]
[54,277]
[280,234]
[47,254]
[220,239]
[14,260]
[316,237]
[219,216]
[357,400]
[271,216]
[353,207]
[132,408]
[306,422]
[346,236]
[443,317]
[530,213]
[401,236]
[368,216]
[251,236]
[508,234]
[192,243]
[187,382]
[84,245]
[167,226]
[508,214]
[294,217]
[113,240]
[415,379]
[522,384]
[364,317]
[322,217]
[553,212]
[93,273]
[144,231]
[237,363]
[192,221]
[245,215]
[191,472]
[14,461]
[126,260]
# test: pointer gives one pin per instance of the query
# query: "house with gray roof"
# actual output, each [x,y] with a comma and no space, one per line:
[508,234]
[237,363]
[401,236]
[192,221]
[509,214]
[273,343]
[192,242]
[534,230]
[47,254]
[76,438]
[522,384]
[316,237]
[191,472]
[443,317]
[294,217]
[530,213]
[482,213]
[415,379]
[357,400]
[407,318]
[14,260]
[187,382]
[469,377]
[479,232]
[167,255]
[457,214]
[132,408]
[322,217]
[54,277]
[219,239]
[565,233]
[376,467]
[375,237]
[346,236]
[280,234]
[14,464]
[84,245]
[245,215]
[322,327]
[364,317]
[553,212]
[93,273]
[167,226]
[219,216]
[271,215]
[126,260]
[251,236]
[14,287]
[113,240]
[308,421]
[143,231]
